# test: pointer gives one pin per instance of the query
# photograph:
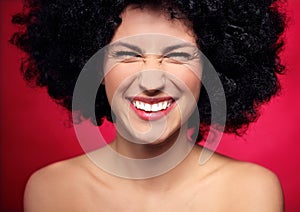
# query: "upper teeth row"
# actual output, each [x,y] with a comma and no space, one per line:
[151,107]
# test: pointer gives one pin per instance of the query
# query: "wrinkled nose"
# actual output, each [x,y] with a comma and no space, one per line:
[152,80]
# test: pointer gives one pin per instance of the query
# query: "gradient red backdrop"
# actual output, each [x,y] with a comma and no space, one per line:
[34,131]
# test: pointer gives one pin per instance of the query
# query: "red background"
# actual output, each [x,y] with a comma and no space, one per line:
[34,131]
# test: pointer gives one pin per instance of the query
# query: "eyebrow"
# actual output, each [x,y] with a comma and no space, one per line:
[128,45]
[165,50]
[177,46]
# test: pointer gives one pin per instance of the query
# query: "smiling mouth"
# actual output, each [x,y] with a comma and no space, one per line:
[152,108]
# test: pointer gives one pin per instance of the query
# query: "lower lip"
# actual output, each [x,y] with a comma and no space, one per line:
[152,116]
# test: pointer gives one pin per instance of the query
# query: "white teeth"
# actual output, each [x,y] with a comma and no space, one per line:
[142,105]
[155,108]
[160,105]
[147,107]
[165,105]
[152,107]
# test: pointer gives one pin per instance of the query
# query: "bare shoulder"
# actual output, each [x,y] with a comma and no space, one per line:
[252,187]
[52,187]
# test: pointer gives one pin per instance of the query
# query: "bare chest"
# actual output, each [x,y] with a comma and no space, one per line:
[136,202]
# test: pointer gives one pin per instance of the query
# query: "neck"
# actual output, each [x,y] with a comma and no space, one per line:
[136,150]
[173,179]
[142,151]
[170,159]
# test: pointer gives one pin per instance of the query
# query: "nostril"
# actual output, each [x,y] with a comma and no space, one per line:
[152,92]
[152,81]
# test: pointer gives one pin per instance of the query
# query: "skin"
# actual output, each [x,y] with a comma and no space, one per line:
[221,184]
[180,82]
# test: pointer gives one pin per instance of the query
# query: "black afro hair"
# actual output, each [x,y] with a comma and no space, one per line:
[242,39]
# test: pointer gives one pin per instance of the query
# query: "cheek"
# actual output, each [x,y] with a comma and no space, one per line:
[112,81]
[192,82]
[195,86]
[115,77]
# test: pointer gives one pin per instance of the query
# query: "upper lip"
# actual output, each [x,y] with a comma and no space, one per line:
[151,100]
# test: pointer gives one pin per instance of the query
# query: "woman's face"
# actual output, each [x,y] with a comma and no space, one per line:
[152,75]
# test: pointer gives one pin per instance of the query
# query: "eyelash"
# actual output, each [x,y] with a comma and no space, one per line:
[126,54]
[131,54]
[178,54]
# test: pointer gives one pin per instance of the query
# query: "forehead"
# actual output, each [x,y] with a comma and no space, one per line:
[138,21]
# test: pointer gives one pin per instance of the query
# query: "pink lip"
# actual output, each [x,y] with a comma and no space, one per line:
[152,116]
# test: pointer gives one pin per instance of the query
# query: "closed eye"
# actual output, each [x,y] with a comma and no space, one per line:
[178,55]
[126,54]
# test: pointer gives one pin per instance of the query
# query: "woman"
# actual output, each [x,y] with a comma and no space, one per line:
[242,42]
